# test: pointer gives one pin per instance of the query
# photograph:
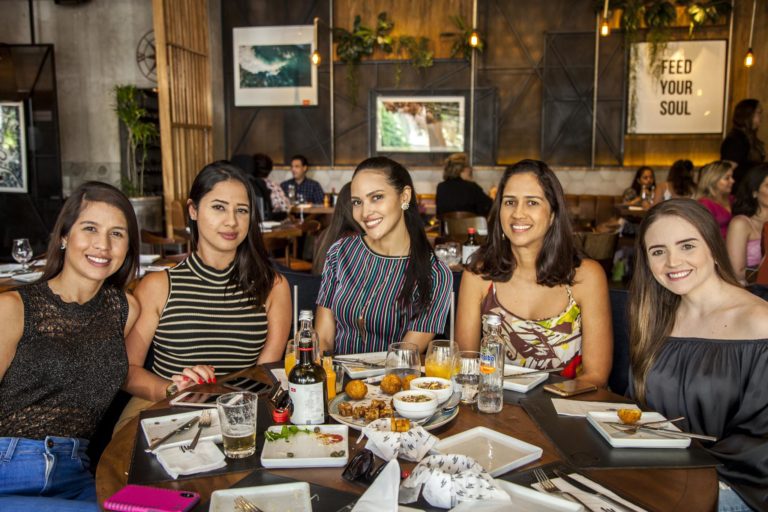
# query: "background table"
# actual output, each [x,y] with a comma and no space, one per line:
[654,489]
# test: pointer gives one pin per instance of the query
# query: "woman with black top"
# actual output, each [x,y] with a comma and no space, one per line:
[698,345]
[457,192]
[62,352]
[741,145]
[221,310]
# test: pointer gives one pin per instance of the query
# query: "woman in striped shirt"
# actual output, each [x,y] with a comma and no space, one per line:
[386,284]
[222,309]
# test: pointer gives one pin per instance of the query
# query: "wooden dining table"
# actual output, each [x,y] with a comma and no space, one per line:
[652,488]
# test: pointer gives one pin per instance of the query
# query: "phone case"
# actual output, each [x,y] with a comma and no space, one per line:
[557,390]
[141,498]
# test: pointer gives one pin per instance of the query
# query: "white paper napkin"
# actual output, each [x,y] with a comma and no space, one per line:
[280,375]
[580,408]
[205,457]
[30,277]
[411,445]
[448,480]
[381,496]
[591,500]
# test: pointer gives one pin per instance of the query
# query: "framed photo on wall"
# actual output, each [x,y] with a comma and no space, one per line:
[419,124]
[13,148]
[680,91]
[272,66]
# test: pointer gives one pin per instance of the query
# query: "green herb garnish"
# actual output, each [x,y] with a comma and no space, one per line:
[285,433]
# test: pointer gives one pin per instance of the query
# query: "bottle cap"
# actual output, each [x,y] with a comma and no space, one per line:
[281,415]
[492,319]
[471,231]
[305,314]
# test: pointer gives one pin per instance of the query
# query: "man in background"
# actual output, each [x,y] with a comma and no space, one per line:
[300,188]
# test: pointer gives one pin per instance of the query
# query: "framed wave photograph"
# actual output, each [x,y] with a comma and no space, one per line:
[419,124]
[13,149]
[272,66]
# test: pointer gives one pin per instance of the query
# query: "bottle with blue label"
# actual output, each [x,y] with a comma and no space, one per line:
[490,397]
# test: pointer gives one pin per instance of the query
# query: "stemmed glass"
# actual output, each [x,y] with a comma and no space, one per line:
[22,253]
[403,359]
[438,361]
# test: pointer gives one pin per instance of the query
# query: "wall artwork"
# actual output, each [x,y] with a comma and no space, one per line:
[13,150]
[419,124]
[681,91]
[273,67]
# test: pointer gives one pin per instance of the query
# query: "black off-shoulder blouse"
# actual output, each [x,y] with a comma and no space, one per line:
[721,387]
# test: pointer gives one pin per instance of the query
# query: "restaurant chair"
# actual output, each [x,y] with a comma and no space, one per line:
[309,229]
[180,223]
[762,271]
[160,244]
[598,246]
[455,225]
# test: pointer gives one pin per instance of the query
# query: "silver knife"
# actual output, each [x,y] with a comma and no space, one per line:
[358,362]
[585,488]
[523,375]
[662,431]
[172,433]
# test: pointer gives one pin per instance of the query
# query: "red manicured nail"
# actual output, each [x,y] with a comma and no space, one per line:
[200,381]
[214,380]
[210,381]
[186,378]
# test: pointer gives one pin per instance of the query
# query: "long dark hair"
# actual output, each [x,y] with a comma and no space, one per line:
[743,115]
[94,192]
[681,177]
[745,202]
[636,180]
[342,224]
[558,259]
[252,272]
[652,307]
[418,272]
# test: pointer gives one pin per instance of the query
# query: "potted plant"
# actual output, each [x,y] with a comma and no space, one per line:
[141,132]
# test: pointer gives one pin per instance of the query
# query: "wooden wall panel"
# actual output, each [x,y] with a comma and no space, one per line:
[184,90]
[412,17]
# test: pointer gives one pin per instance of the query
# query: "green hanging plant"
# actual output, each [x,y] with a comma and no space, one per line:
[141,133]
[461,46]
[353,45]
[702,13]
[417,52]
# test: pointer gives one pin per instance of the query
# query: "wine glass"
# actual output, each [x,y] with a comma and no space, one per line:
[439,358]
[403,359]
[22,252]
[466,375]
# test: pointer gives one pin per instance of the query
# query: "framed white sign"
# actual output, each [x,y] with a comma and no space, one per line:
[273,66]
[684,92]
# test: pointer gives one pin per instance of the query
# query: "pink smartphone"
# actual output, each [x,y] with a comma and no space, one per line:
[140,498]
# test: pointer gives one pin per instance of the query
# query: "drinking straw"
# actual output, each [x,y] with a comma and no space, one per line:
[295,308]
[450,318]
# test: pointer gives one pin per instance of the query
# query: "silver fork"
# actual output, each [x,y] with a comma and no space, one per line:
[243,505]
[550,487]
[205,421]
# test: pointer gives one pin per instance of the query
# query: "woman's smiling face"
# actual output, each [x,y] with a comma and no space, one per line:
[377,205]
[525,213]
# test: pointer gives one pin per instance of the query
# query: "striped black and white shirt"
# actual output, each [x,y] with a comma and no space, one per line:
[206,321]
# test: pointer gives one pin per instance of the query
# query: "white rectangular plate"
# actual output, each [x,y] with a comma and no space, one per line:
[524,499]
[308,451]
[155,428]
[524,384]
[292,497]
[640,439]
[269,224]
[148,259]
[498,453]
[30,277]
[361,372]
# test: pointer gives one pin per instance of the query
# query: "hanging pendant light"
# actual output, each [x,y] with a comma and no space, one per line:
[604,28]
[749,58]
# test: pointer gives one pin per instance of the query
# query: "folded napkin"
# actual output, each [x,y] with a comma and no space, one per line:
[448,480]
[29,277]
[580,408]
[205,457]
[388,445]
[592,501]
[381,496]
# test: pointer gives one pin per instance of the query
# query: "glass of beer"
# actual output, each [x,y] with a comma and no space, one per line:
[237,415]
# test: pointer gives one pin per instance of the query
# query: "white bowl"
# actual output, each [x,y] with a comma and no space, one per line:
[415,410]
[442,394]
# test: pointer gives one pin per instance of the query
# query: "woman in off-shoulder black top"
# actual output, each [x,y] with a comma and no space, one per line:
[698,346]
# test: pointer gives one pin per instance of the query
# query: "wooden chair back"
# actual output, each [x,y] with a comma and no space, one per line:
[160,243]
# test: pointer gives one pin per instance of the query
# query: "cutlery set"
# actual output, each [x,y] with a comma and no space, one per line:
[204,420]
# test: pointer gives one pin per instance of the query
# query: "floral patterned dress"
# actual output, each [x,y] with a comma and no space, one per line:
[542,344]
